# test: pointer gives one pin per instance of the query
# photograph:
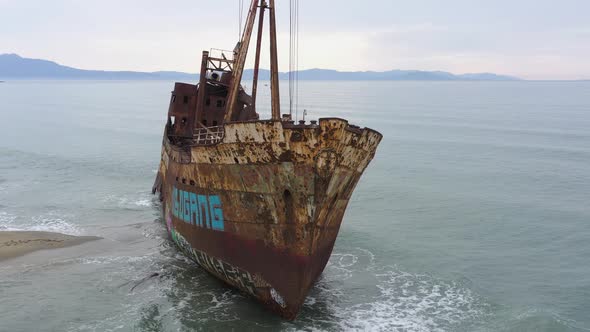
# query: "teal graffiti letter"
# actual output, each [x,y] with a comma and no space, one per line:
[216,213]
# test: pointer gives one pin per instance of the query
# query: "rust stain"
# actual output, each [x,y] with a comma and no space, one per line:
[282,202]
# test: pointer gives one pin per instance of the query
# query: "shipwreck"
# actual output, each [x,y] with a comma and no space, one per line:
[258,203]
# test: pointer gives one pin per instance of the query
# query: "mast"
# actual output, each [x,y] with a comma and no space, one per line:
[240,62]
[263,6]
[274,66]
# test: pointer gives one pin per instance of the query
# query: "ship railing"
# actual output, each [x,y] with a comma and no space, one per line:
[208,135]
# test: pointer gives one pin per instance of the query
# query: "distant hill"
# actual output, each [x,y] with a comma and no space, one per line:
[12,66]
[15,67]
[393,75]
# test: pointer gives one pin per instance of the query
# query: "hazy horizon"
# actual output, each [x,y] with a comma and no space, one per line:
[538,40]
[261,69]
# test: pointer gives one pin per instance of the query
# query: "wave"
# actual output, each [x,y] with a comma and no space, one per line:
[389,300]
[136,201]
[409,302]
[49,222]
[6,221]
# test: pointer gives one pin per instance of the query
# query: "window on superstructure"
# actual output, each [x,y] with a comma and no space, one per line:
[219,103]
[173,98]
[186,99]
[208,102]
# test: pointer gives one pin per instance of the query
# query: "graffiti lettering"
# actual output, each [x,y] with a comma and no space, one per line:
[199,210]
[233,275]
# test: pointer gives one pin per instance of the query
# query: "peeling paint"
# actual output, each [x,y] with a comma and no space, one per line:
[284,190]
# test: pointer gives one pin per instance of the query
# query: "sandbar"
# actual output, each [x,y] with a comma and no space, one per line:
[14,244]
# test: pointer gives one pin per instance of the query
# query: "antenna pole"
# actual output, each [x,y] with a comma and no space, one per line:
[274,65]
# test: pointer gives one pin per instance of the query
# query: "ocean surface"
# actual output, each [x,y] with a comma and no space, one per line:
[474,215]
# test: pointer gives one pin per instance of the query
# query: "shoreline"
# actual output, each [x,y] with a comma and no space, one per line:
[19,243]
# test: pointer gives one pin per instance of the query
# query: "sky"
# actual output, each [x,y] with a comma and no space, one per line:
[531,39]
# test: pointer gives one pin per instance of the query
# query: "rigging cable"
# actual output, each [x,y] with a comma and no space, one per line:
[240,18]
[291,57]
[294,58]
[297,61]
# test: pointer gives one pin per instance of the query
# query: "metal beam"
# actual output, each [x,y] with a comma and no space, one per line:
[202,87]
[274,66]
[240,62]
[258,46]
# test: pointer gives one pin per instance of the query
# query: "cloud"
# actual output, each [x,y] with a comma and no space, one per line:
[556,53]
[531,39]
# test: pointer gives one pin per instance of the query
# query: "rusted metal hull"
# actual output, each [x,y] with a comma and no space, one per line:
[261,210]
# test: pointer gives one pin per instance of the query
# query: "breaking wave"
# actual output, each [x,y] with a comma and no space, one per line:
[6,221]
[412,303]
[48,222]
[398,301]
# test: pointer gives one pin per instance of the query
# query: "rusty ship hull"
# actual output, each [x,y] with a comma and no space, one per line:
[257,203]
[262,208]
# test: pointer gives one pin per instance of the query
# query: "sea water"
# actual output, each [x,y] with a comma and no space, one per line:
[473,216]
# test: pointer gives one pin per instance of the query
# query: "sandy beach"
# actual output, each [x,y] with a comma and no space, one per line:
[14,244]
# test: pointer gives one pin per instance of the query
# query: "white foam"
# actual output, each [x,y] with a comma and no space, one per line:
[398,301]
[7,221]
[132,201]
[223,300]
[412,303]
[49,222]
[347,260]
[143,202]
[310,301]
[54,223]
[114,260]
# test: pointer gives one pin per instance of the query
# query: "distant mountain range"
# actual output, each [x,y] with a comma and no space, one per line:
[13,66]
